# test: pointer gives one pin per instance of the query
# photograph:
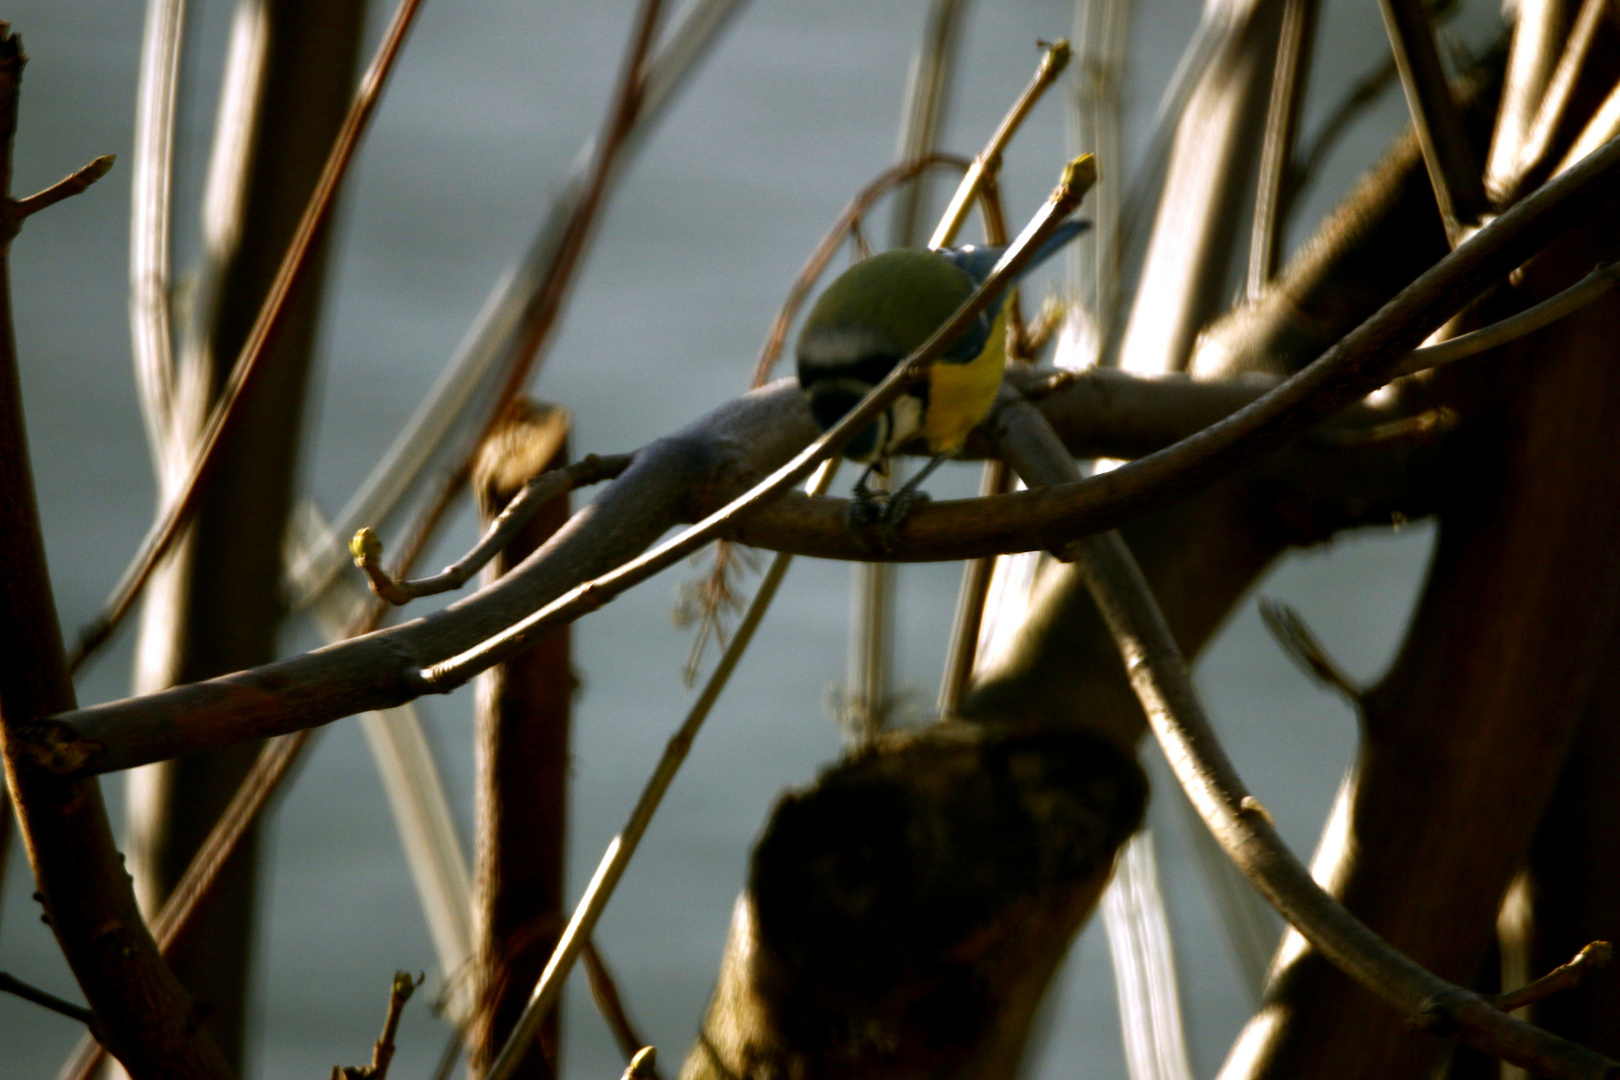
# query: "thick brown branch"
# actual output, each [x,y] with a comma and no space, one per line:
[144,1014]
[1163,685]
[379,670]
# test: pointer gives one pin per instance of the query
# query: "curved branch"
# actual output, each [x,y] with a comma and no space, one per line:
[382,669]
[1163,685]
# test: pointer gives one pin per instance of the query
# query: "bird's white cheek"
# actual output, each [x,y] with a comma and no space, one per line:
[906,416]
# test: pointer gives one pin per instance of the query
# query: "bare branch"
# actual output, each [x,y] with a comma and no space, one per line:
[295,267]
[988,163]
[65,188]
[1288,80]
[1241,823]
[1303,647]
[367,548]
[151,188]
[583,921]
[1593,957]
[1538,37]
[605,992]
[1528,321]
[142,1011]
[1536,146]
[382,1054]
[1458,185]
[10,984]
[970,601]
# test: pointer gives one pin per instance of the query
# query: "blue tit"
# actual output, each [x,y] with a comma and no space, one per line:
[875,315]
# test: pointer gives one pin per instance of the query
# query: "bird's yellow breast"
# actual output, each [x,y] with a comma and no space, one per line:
[959,395]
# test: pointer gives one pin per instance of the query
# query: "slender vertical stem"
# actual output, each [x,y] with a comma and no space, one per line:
[1458,185]
[141,1010]
[151,182]
[928,98]
[619,851]
[970,601]
[524,716]
[1096,107]
[873,586]
[1288,79]
[249,363]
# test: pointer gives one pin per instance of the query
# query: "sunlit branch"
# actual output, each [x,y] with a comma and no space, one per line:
[988,163]
[367,548]
[151,185]
[1458,185]
[295,266]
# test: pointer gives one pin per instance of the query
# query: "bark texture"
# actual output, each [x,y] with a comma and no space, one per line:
[1466,736]
[524,709]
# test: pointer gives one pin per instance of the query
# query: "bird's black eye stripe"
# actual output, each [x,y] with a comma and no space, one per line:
[869,369]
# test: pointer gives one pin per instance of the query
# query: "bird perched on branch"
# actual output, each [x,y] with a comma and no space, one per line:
[876,314]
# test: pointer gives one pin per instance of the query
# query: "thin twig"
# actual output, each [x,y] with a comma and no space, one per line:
[382,1053]
[1593,957]
[490,340]
[1294,635]
[970,600]
[1363,93]
[65,188]
[1528,321]
[367,548]
[447,674]
[988,163]
[928,96]
[578,224]
[1288,81]
[1459,187]
[619,851]
[151,186]
[605,992]
[295,266]
[1159,676]
[10,984]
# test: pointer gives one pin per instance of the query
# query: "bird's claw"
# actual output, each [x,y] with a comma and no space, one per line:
[897,508]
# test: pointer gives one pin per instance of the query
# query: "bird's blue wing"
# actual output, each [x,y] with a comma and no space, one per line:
[977,262]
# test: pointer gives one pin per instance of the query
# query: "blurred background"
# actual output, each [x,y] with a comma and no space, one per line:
[797,107]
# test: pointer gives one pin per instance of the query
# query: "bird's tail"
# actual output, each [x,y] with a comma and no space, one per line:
[979,261]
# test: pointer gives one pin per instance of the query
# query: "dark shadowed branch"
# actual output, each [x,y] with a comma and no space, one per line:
[1163,685]
[142,1012]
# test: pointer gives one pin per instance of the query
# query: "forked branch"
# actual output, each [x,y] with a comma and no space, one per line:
[1159,676]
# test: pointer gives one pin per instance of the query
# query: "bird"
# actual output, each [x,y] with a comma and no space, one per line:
[874,315]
